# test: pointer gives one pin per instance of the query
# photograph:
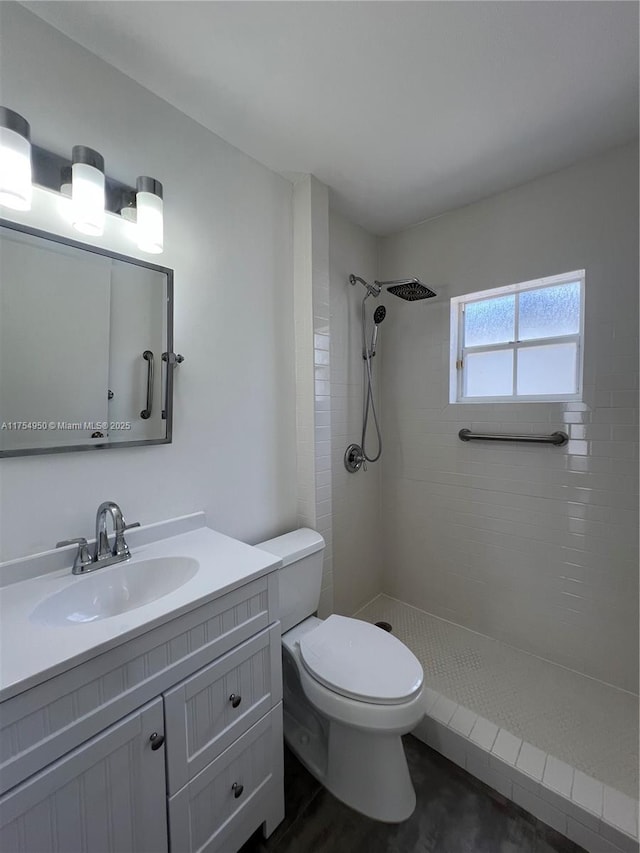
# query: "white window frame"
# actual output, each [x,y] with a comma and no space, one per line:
[458,350]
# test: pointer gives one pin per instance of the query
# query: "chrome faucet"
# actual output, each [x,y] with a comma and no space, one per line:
[104,554]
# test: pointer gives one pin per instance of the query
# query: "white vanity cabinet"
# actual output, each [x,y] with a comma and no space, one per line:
[78,771]
[107,795]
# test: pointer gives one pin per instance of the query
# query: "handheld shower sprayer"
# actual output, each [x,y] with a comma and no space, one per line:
[378,316]
[411,290]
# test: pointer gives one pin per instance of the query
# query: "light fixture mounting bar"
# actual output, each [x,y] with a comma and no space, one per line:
[47,172]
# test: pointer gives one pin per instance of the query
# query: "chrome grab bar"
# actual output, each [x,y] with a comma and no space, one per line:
[148,357]
[558,438]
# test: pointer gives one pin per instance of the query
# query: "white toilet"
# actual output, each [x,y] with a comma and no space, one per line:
[350,690]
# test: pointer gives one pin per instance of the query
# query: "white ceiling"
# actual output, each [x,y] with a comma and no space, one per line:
[405,109]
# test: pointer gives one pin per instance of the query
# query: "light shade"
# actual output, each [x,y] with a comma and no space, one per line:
[87,190]
[150,223]
[15,160]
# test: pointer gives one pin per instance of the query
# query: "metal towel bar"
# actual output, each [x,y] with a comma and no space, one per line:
[557,438]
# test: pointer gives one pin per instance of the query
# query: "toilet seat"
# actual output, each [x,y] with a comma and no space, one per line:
[360,661]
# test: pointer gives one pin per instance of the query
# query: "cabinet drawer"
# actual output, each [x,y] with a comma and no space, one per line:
[202,719]
[229,799]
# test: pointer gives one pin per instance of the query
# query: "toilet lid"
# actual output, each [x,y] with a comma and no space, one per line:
[359,660]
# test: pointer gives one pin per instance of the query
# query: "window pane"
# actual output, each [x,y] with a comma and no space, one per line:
[549,369]
[550,311]
[489,321]
[489,374]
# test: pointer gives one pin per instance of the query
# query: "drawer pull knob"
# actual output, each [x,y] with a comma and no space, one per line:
[237,789]
[235,700]
[156,740]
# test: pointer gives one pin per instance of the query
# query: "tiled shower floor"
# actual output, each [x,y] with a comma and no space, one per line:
[589,725]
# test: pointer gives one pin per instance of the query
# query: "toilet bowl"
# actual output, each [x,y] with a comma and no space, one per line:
[351,691]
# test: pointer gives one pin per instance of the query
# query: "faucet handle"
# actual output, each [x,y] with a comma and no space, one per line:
[81,541]
[83,558]
[120,547]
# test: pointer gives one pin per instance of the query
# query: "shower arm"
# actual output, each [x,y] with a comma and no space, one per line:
[372,289]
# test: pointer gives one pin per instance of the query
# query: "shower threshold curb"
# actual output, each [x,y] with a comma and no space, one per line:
[593,815]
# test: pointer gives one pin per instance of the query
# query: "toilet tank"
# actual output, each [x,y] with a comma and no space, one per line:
[300,578]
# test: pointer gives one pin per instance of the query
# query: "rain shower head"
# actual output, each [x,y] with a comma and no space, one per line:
[410,289]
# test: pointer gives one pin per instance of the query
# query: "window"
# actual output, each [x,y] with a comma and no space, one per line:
[521,342]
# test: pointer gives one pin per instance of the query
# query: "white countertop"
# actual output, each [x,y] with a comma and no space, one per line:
[32,652]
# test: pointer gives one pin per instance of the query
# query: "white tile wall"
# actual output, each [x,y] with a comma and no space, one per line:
[304,349]
[543,810]
[463,720]
[357,563]
[588,793]
[345,508]
[531,761]
[484,733]
[506,747]
[313,344]
[558,776]
[533,545]
[620,810]
[443,710]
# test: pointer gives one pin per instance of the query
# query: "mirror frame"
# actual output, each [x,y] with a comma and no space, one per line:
[87,247]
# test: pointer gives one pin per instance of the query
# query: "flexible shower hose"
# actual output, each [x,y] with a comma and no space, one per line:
[369,402]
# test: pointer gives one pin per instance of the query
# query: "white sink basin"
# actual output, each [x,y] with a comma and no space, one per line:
[114,590]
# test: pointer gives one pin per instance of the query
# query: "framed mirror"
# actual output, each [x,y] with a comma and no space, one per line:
[86,346]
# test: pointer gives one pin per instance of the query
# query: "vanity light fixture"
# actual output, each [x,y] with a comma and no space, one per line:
[82,179]
[128,210]
[15,160]
[149,214]
[87,190]
[65,181]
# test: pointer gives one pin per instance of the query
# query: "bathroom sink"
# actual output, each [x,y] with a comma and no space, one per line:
[114,590]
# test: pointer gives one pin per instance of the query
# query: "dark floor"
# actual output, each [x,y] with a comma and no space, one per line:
[455,813]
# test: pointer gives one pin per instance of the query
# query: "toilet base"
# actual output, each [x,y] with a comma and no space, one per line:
[366,771]
[369,772]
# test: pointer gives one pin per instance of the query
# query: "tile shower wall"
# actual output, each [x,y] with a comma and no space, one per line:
[357,565]
[533,545]
[322,388]
[312,337]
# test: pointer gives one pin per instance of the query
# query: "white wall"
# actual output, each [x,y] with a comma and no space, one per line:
[357,564]
[228,237]
[536,546]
